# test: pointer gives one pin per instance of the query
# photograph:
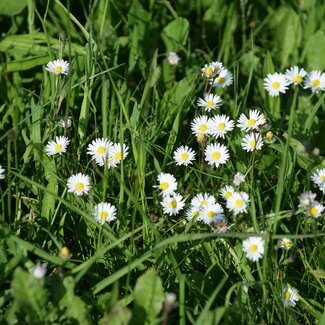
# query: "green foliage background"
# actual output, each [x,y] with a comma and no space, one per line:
[121,86]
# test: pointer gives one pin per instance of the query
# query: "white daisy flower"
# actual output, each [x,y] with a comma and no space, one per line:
[200,200]
[200,125]
[99,149]
[220,125]
[211,212]
[172,204]
[211,69]
[116,154]
[295,75]
[253,122]
[58,67]
[104,212]
[65,123]
[286,243]
[184,155]
[167,184]
[239,178]
[315,80]
[275,84]
[221,226]
[224,79]
[2,172]
[173,58]
[253,248]
[217,66]
[252,141]
[315,210]
[79,184]
[227,191]
[237,203]
[216,154]
[289,296]
[192,213]
[306,199]
[209,102]
[318,179]
[58,146]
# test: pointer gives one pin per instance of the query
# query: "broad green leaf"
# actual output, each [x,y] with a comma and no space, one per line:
[175,34]
[118,316]
[12,7]
[148,293]
[314,50]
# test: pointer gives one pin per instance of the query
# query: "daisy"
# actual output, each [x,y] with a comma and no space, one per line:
[211,69]
[315,80]
[65,253]
[253,248]
[211,212]
[227,191]
[318,179]
[253,122]
[173,204]
[289,296]
[220,125]
[104,212]
[237,203]
[99,149]
[286,243]
[217,66]
[79,184]
[173,58]
[275,84]
[65,123]
[200,125]
[239,178]
[184,155]
[224,79]
[295,75]
[221,226]
[252,141]
[58,67]
[58,146]
[192,213]
[167,184]
[2,172]
[306,199]
[269,137]
[116,154]
[216,154]
[315,210]
[39,271]
[209,102]
[200,200]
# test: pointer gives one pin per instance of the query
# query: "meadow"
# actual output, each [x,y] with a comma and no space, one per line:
[162,162]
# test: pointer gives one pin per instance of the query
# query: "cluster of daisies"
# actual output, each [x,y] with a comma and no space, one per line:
[102,151]
[276,83]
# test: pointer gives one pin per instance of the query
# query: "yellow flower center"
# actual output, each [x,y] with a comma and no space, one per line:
[315,83]
[322,177]
[173,204]
[104,215]
[202,127]
[79,186]
[208,72]
[276,85]
[58,147]
[221,126]
[101,150]
[210,214]
[286,295]
[203,203]
[118,155]
[297,79]
[269,135]
[313,211]
[287,244]
[251,122]
[253,248]
[200,137]
[216,155]
[164,186]
[184,156]
[239,203]
[228,194]
[195,214]
[252,144]
[220,80]
[58,69]
[210,103]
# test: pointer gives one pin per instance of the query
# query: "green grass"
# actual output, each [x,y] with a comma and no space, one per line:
[121,87]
